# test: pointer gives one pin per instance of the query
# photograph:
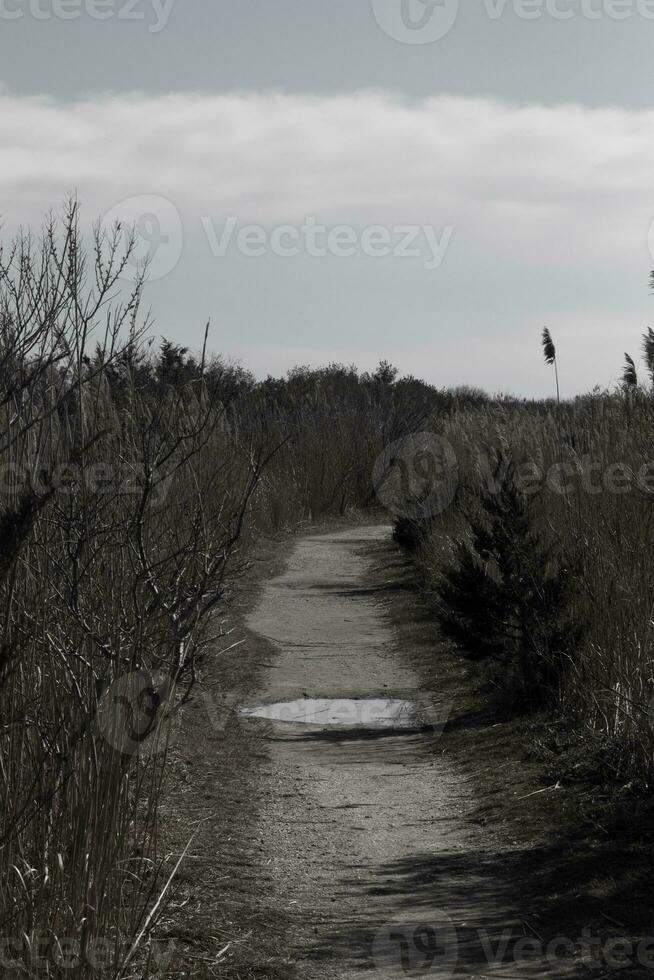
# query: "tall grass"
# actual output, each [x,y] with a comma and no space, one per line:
[591,462]
[132,487]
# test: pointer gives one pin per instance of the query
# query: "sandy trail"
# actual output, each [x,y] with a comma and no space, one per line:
[364,832]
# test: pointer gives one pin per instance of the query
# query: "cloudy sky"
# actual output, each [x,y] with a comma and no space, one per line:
[329,180]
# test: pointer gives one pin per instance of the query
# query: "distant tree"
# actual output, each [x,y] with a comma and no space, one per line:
[385,374]
[469,396]
[172,367]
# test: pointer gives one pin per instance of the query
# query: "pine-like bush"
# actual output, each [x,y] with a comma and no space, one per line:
[506,597]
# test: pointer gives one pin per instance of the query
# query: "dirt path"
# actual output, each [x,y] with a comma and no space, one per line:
[363,832]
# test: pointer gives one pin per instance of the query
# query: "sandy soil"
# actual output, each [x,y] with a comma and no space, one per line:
[366,838]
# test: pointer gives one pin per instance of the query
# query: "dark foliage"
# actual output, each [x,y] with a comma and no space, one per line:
[409,534]
[506,597]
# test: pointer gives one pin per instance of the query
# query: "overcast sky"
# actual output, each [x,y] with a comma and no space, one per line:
[350,181]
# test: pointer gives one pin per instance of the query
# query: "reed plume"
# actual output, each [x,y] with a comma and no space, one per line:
[549,352]
[648,351]
[629,374]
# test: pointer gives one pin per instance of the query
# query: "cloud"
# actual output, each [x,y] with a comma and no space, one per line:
[541,183]
[551,210]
